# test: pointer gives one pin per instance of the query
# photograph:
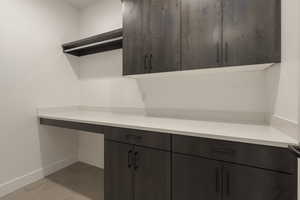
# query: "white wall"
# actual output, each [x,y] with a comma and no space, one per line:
[33,73]
[283,80]
[100,74]
[238,96]
[222,96]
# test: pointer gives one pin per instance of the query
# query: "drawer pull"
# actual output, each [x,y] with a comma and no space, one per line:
[217,180]
[129,158]
[223,151]
[133,137]
[136,161]
[227,183]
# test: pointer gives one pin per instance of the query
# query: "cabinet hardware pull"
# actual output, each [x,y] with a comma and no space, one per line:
[217,180]
[145,62]
[226,52]
[218,53]
[129,158]
[150,63]
[136,160]
[227,183]
[129,136]
[138,138]
[224,151]
[133,137]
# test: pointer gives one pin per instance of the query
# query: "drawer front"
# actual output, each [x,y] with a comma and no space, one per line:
[139,137]
[266,157]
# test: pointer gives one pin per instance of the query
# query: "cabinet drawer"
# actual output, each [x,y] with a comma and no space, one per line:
[266,157]
[139,137]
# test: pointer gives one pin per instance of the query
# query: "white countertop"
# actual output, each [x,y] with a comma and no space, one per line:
[257,134]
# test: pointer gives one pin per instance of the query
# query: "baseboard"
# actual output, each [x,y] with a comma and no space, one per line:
[286,126]
[19,182]
[54,167]
[92,163]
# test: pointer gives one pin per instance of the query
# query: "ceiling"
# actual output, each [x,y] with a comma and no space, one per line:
[81,3]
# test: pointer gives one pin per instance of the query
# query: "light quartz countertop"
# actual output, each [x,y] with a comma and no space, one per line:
[247,133]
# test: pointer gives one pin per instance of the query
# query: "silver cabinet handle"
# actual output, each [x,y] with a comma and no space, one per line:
[145,62]
[226,52]
[150,63]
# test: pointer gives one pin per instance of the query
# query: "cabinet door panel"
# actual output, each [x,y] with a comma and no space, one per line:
[163,35]
[152,178]
[118,177]
[195,178]
[248,183]
[201,33]
[252,32]
[133,37]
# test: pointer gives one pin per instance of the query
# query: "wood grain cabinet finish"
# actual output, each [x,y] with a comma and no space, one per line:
[133,37]
[247,183]
[140,138]
[201,33]
[118,177]
[152,178]
[151,36]
[198,178]
[251,31]
[172,35]
[230,32]
[139,173]
[261,156]
[163,35]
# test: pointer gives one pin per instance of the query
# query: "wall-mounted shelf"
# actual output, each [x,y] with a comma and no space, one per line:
[95,44]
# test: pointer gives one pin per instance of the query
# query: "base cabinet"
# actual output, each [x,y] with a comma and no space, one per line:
[118,177]
[195,178]
[152,178]
[138,173]
[247,183]
[198,178]
[143,165]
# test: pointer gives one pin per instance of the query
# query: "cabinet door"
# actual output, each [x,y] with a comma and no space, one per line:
[163,33]
[195,178]
[134,18]
[201,33]
[152,176]
[118,176]
[252,32]
[248,183]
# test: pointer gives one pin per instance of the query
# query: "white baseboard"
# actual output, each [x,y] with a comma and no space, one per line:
[19,182]
[92,163]
[54,167]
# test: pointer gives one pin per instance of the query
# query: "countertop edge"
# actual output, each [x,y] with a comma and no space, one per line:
[176,132]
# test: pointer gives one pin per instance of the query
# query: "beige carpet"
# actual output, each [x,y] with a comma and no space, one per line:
[77,182]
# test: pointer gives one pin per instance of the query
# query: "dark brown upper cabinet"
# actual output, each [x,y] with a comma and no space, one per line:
[133,38]
[252,32]
[230,32]
[151,36]
[172,35]
[201,33]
